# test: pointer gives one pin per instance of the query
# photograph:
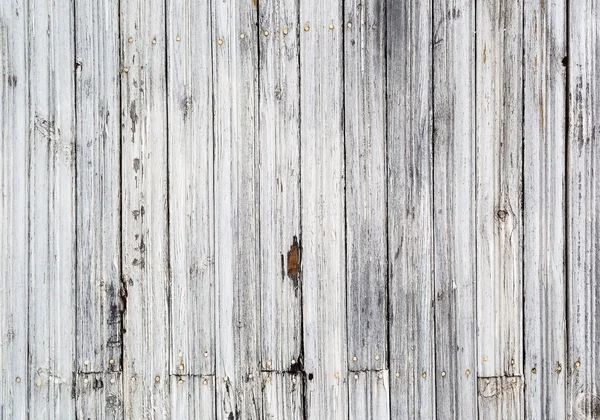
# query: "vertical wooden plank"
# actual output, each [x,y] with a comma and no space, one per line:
[365,136]
[322,186]
[499,131]
[99,396]
[52,215]
[236,211]
[500,398]
[283,396]
[583,209]
[409,163]
[454,205]
[145,209]
[279,166]
[193,397]
[544,211]
[14,184]
[191,222]
[99,306]
[369,395]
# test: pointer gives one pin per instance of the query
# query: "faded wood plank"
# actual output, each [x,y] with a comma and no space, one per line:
[366,206]
[544,211]
[193,397]
[14,219]
[52,215]
[99,396]
[369,395]
[500,398]
[283,395]
[499,134]
[279,169]
[98,147]
[322,186]
[145,209]
[191,219]
[583,210]
[409,165]
[454,208]
[236,211]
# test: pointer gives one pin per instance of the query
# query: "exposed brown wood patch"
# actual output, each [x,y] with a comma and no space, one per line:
[294,257]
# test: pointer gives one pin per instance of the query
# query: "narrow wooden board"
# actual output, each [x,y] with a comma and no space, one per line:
[145,209]
[191,204]
[454,208]
[500,398]
[409,165]
[193,396]
[283,395]
[322,184]
[279,171]
[369,395]
[499,194]
[236,211]
[583,210]
[366,205]
[544,209]
[14,220]
[52,216]
[99,396]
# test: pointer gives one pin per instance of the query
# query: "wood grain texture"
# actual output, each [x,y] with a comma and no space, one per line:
[322,185]
[192,396]
[145,232]
[544,209]
[14,219]
[369,395]
[99,396]
[409,162]
[191,203]
[283,396]
[499,195]
[500,398]
[454,212]
[279,166]
[366,223]
[52,215]
[583,220]
[236,211]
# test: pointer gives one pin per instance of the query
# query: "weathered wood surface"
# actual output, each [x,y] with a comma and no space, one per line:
[287,209]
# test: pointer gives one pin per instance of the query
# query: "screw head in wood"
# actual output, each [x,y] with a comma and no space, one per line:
[376,357]
[487,381]
[111,362]
[485,358]
[468,372]
[177,38]
[130,40]
[331,26]
[85,381]
[534,370]
[336,375]
[133,379]
[306,28]
[578,364]
[269,363]
[294,380]
[205,354]
[443,373]
[349,25]
[18,380]
[180,354]
[181,366]
[180,381]
[205,382]
[512,362]
[87,362]
[126,69]
[242,36]
[285,31]
[157,378]
[220,42]
[424,374]
[266,33]
[397,374]
[380,376]
[154,42]
[225,379]
[112,381]
[355,358]
[559,368]
[356,376]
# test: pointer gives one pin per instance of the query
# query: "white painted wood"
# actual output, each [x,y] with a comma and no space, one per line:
[237,277]
[192,396]
[99,396]
[409,165]
[283,396]
[145,209]
[544,209]
[369,395]
[366,222]
[14,218]
[454,208]
[52,216]
[500,398]
[191,221]
[322,186]
[279,172]
[499,207]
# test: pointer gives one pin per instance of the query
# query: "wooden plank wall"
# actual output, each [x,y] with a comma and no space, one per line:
[299,209]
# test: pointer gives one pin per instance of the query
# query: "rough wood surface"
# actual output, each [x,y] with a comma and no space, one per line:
[193,396]
[283,396]
[500,398]
[369,395]
[99,396]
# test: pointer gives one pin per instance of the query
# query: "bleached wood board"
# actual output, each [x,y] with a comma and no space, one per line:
[369,395]
[193,396]
[99,396]
[410,203]
[191,204]
[500,398]
[544,209]
[283,395]
[366,205]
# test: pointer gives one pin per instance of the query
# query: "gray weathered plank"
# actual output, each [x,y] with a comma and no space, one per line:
[409,163]
[544,209]
[454,202]
[99,396]
[583,209]
[369,395]
[236,211]
[322,185]
[366,227]
[145,209]
[191,221]
[499,134]
[52,216]
[500,398]
[283,396]
[192,396]
[14,183]
[279,171]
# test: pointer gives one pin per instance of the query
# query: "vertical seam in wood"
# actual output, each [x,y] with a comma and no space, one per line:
[473,141]
[432,203]
[386,199]
[522,193]
[121,166]
[567,239]
[75,208]
[28,194]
